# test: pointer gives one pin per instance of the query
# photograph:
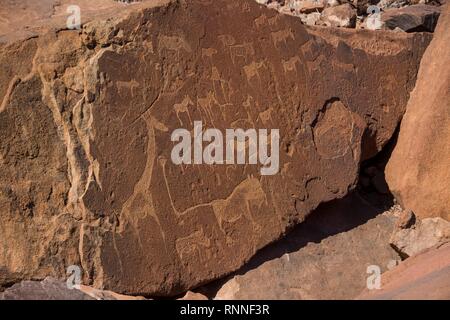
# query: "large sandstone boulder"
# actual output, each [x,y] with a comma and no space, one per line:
[418,172]
[86,176]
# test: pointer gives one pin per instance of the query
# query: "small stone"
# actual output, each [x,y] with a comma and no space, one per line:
[343,15]
[425,234]
[406,219]
[274,5]
[309,6]
[286,10]
[416,18]
[193,296]
[333,3]
[311,19]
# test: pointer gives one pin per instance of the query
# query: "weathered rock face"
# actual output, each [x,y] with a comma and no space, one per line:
[326,257]
[415,18]
[48,289]
[20,19]
[424,277]
[53,289]
[86,176]
[422,235]
[420,163]
[343,15]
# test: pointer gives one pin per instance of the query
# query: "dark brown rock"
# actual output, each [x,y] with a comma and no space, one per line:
[86,176]
[416,18]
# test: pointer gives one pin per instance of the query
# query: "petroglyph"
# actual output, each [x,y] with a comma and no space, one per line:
[86,176]
[241,52]
[250,193]
[209,52]
[252,70]
[334,133]
[193,247]
[183,107]
[282,37]
[129,86]
[291,64]
[174,43]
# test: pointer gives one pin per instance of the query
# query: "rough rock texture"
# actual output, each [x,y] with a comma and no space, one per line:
[194,296]
[343,15]
[48,289]
[424,277]
[415,18]
[53,289]
[422,235]
[406,15]
[106,294]
[21,19]
[326,257]
[309,6]
[86,118]
[420,163]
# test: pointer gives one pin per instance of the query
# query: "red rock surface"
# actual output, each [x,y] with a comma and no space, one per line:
[21,19]
[418,172]
[426,276]
[86,117]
